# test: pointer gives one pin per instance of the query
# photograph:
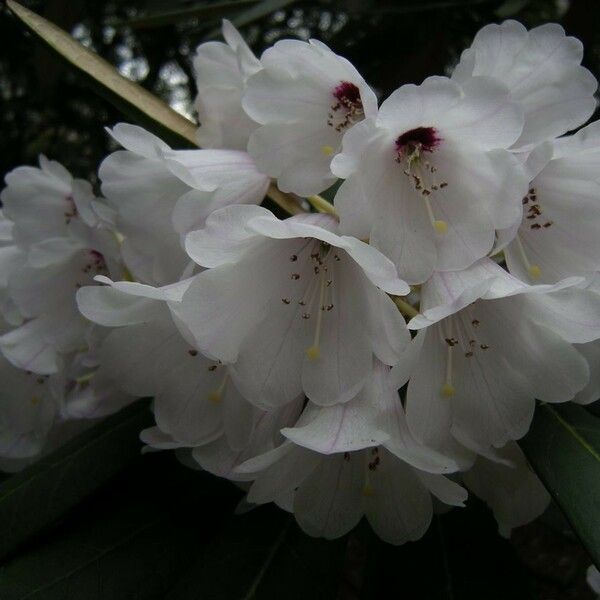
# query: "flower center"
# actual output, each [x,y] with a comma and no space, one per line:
[416,141]
[347,108]
[410,147]
[95,263]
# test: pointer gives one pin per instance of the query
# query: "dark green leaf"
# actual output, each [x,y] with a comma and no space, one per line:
[563,447]
[218,10]
[132,540]
[461,557]
[44,492]
[264,555]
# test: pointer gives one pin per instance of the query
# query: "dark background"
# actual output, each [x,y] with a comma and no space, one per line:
[46,108]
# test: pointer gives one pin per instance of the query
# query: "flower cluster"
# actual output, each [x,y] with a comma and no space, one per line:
[378,357]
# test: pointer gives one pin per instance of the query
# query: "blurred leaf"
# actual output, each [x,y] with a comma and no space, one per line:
[132,99]
[264,555]
[132,541]
[563,447]
[41,494]
[261,10]
[510,8]
[214,11]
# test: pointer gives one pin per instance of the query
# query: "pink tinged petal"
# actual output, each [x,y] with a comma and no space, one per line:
[398,506]
[340,428]
[329,502]
[514,492]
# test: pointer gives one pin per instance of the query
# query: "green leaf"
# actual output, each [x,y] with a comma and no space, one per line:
[563,447]
[264,555]
[132,540]
[218,10]
[461,557]
[132,99]
[46,491]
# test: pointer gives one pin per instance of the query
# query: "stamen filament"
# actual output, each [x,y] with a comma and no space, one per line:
[534,270]
[313,352]
[215,396]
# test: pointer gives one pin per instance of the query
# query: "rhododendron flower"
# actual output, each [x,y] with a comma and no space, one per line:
[221,71]
[491,345]
[294,305]
[558,236]
[145,354]
[160,194]
[305,98]
[542,69]
[429,180]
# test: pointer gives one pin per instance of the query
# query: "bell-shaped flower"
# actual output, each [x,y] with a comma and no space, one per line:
[490,346]
[305,98]
[145,354]
[160,194]
[297,307]
[353,460]
[429,180]
[63,236]
[542,69]
[506,483]
[221,71]
[558,236]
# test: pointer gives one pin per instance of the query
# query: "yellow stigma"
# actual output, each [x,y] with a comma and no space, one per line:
[368,490]
[313,352]
[448,390]
[214,397]
[35,400]
[440,226]
[535,272]
[327,150]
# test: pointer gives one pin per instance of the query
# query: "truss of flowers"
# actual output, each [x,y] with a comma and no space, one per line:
[457,264]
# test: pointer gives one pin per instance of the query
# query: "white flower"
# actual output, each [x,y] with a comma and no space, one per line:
[305,98]
[160,194]
[490,346]
[558,236]
[336,471]
[63,237]
[295,306]
[508,486]
[429,179]
[542,69]
[145,354]
[221,71]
